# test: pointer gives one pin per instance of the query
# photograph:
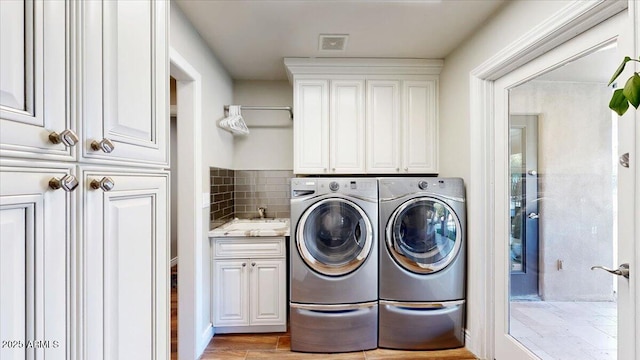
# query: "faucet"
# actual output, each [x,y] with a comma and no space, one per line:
[262,211]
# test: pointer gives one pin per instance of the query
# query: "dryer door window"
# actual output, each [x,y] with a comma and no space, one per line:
[334,236]
[424,235]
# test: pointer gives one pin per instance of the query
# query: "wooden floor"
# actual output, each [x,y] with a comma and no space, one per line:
[276,346]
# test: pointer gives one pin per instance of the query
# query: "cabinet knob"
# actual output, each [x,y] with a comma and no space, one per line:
[334,169]
[406,169]
[106,184]
[398,169]
[67,183]
[325,169]
[253,264]
[66,137]
[244,264]
[105,145]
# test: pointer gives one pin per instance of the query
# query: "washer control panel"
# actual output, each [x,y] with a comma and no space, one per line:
[334,186]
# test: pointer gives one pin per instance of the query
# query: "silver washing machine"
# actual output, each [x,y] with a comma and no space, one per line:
[334,264]
[422,263]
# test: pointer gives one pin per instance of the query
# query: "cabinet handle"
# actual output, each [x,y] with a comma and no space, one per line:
[325,169]
[106,184]
[105,145]
[67,183]
[398,169]
[253,264]
[66,137]
[244,264]
[406,169]
[334,169]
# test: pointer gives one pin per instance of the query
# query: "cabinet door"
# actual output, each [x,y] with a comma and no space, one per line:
[33,79]
[125,76]
[420,135]
[35,243]
[383,126]
[231,292]
[125,266]
[347,127]
[311,127]
[268,290]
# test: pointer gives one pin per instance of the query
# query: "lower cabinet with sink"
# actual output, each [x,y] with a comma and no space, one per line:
[249,284]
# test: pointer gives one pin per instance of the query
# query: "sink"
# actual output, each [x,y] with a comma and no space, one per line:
[256,225]
[252,227]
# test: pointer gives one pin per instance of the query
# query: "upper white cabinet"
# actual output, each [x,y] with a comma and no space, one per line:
[420,126]
[124,80]
[311,129]
[383,126]
[34,70]
[346,127]
[84,81]
[382,115]
[329,128]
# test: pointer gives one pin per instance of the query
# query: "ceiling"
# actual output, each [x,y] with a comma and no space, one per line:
[251,38]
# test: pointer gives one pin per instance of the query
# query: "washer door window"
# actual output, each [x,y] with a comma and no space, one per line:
[334,236]
[424,235]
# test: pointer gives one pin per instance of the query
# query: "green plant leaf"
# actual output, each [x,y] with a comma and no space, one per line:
[632,90]
[618,102]
[619,70]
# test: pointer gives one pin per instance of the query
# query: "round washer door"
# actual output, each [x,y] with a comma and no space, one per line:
[424,235]
[334,236]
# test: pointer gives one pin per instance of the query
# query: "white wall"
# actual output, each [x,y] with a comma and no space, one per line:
[514,20]
[269,145]
[510,23]
[217,144]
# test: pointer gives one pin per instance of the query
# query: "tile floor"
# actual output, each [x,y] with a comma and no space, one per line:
[555,330]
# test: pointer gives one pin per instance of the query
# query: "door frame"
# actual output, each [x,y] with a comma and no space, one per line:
[190,222]
[576,17]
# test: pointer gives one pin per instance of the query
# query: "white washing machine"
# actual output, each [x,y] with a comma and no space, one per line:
[422,263]
[334,264]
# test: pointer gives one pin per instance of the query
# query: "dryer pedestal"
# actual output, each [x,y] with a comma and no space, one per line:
[421,326]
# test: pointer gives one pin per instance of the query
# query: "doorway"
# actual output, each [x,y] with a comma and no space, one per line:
[582,193]
[564,173]
[523,206]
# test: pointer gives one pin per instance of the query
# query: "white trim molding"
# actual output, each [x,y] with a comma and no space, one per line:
[356,66]
[575,18]
[190,222]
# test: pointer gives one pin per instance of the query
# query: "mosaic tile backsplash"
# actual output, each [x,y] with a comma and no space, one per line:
[239,194]
[270,189]
[222,205]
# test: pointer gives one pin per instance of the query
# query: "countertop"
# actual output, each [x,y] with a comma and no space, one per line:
[252,228]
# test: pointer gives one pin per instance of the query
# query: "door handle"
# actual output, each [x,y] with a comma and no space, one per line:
[622,270]
[624,160]
[533,215]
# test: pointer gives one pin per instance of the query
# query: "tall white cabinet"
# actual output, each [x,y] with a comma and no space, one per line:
[83,180]
[374,116]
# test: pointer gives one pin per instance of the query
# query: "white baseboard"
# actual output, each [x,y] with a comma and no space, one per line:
[174,261]
[205,339]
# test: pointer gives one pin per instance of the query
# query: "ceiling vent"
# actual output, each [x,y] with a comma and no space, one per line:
[333,42]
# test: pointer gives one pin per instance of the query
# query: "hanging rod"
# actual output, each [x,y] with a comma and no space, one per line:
[286,108]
